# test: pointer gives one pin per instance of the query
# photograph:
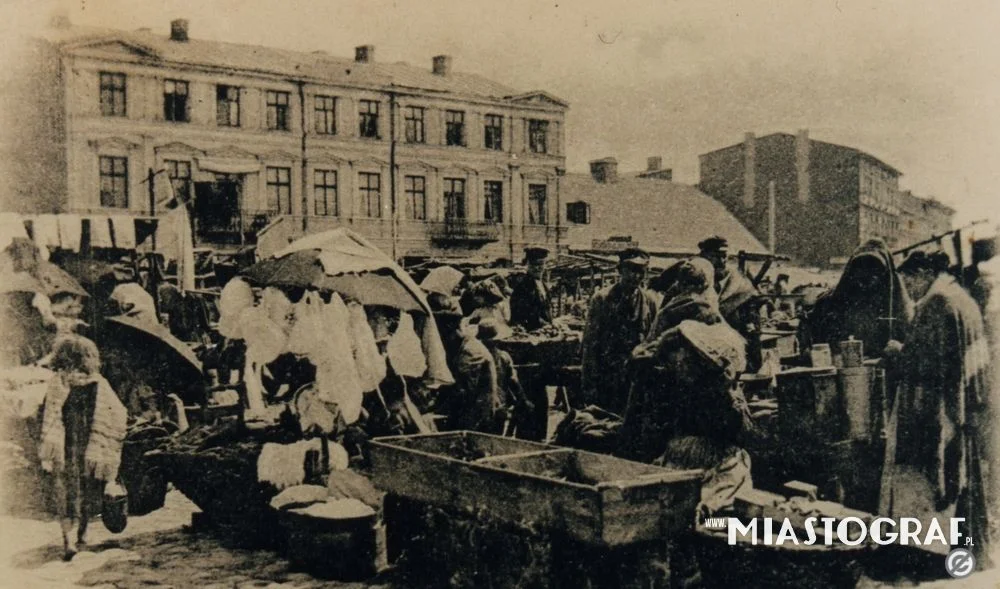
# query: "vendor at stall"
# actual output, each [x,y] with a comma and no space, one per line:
[529,301]
[735,290]
[868,303]
[619,318]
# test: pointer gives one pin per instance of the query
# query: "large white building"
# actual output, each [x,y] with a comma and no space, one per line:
[271,144]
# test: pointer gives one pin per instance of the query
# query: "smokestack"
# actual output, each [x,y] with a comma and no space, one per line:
[442,65]
[179,30]
[364,54]
[654,163]
[802,146]
[749,169]
[604,170]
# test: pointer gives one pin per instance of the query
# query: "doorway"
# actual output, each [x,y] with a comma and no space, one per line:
[217,211]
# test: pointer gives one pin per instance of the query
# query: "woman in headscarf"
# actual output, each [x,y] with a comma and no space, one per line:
[868,303]
[688,289]
[83,428]
[685,409]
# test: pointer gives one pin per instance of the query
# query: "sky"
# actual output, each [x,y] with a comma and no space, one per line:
[914,82]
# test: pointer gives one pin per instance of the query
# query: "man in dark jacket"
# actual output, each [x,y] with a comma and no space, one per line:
[618,319]
[529,301]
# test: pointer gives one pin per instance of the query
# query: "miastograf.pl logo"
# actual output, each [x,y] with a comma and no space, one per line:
[849,531]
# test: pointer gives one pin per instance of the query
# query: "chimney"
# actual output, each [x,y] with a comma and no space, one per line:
[654,163]
[364,54]
[442,65]
[604,170]
[179,30]
[60,21]
[749,169]
[802,145]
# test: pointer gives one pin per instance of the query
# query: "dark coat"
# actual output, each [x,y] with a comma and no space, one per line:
[529,304]
[617,322]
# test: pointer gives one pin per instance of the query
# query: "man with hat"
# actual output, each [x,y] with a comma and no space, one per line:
[529,300]
[473,402]
[618,319]
[735,290]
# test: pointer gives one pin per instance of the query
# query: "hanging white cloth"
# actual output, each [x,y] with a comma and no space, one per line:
[11,227]
[235,297]
[337,375]
[371,364]
[100,232]
[405,351]
[124,229]
[70,231]
[46,231]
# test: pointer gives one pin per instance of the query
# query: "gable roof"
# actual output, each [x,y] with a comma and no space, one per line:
[316,66]
[662,216]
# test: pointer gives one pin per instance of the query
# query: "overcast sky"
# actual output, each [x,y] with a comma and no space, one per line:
[914,82]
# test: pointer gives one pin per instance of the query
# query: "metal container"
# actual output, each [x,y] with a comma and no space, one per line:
[852,351]
[855,390]
[820,356]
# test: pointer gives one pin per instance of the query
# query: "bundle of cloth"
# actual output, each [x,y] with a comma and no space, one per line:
[591,428]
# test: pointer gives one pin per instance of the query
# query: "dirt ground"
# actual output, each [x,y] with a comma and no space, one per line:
[161,550]
[156,550]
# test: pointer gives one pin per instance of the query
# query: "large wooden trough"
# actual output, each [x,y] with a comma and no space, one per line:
[596,499]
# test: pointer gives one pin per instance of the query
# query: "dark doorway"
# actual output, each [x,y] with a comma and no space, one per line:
[217,210]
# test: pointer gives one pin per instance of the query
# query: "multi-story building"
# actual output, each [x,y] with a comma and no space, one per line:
[922,218]
[827,198]
[269,144]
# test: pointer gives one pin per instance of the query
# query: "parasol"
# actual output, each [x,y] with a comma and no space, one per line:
[342,261]
[148,352]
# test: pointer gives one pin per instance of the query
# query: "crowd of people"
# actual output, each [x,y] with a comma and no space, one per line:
[661,356]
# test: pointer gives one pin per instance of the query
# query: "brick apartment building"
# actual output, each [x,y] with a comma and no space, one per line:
[828,198]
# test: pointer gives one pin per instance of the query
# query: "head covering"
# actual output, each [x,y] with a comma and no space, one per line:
[490,329]
[713,244]
[446,307]
[535,254]
[848,310]
[633,256]
[75,353]
[688,293]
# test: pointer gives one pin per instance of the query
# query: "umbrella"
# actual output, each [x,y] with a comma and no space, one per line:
[342,261]
[150,353]
[57,281]
[20,282]
[442,280]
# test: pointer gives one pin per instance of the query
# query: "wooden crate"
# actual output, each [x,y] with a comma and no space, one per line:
[593,498]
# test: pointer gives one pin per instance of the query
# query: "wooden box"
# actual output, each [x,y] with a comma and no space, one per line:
[593,498]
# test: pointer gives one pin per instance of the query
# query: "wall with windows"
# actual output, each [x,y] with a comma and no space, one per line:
[316,153]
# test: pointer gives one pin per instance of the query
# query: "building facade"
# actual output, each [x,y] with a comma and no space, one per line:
[268,144]
[827,198]
[921,218]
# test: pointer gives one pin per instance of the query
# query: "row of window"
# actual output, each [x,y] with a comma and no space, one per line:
[227,114]
[278,180]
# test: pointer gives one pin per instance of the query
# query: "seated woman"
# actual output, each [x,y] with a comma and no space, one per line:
[685,409]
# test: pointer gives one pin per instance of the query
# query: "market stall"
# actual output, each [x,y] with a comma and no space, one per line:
[333,333]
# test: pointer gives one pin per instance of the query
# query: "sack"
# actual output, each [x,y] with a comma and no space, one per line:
[114,513]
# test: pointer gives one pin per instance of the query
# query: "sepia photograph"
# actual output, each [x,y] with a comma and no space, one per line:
[386,294]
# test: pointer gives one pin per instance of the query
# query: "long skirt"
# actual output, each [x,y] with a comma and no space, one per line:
[78,494]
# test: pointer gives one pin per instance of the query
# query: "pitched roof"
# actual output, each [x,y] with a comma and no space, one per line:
[316,66]
[662,216]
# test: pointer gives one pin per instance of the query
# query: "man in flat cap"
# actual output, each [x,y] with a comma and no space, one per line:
[618,319]
[735,290]
[529,300]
